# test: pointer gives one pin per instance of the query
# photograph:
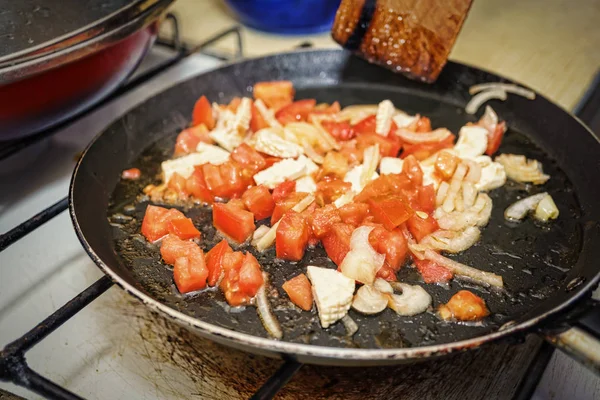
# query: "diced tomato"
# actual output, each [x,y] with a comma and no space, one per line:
[183,228]
[237,203]
[156,221]
[445,164]
[391,243]
[295,112]
[425,199]
[464,306]
[270,160]
[283,190]
[432,272]
[196,186]
[173,248]
[412,169]
[179,184]
[388,146]
[423,125]
[385,185]
[233,222]
[390,211]
[366,125]
[203,114]
[190,272]
[234,104]
[323,219]
[286,204]
[188,139]
[354,213]
[292,236]
[251,278]
[349,149]
[214,259]
[421,227]
[248,158]
[224,180]
[325,108]
[421,151]
[339,130]
[334,163]
[131,174]
[275,94]
[337,242]
[299,291]
[258,201]
[330,190]
[495,138]
[257,122]
[231,264]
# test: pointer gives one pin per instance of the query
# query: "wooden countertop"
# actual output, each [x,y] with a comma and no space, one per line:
[551,45]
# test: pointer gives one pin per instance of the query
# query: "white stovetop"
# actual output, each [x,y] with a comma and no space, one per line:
[99,354]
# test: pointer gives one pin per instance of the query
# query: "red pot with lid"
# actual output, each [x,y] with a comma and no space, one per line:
[59,57]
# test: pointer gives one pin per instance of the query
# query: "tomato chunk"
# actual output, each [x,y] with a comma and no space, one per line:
[366,125]
[335,163]
[385,185]
[196,186]
[390,211]
[224,180]
[339,130]
[464,306]
[421,227]
[432,272]
[425,199]
[257,121]
[295,112]
[354,213]
[325,108]
[214,261]
[421,151]
[179,184]
[495,139]
[156,221]
[286,204]
[388,146]
[259,201]
[329,190]
[291,237]
[251,278]
[202,113]
[412,169]
[337,242]
[248,158]
[391,243]
[231,264]
[183,228]
[323,219]
[283,190]
[188,139]
[173,248]
[131,174]
[233,222]
[445,164]
[274,94]
[190,272]
[299,291]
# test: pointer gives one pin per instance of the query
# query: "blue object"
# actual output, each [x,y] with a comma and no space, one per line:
[287,17]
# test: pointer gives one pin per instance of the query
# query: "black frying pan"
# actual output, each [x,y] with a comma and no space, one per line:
[547,269]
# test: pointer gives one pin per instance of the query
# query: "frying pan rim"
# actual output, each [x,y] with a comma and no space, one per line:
[282,347]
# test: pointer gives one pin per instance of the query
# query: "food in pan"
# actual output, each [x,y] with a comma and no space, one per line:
[378,189]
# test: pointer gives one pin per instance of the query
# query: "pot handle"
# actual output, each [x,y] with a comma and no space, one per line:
[582,340]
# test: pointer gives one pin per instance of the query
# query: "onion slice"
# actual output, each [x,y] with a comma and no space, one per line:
[546,209]
[370,163]
[413,137]
[362,262]
[480,98]
[519,209]
[413,300]
[481,277]
[452,241]
[267,318]
[521,169]
[507,87]
[369,300]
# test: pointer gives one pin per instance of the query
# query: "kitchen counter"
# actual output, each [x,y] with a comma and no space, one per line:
[552,46]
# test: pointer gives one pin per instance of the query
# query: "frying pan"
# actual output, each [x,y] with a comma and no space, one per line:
[549,270]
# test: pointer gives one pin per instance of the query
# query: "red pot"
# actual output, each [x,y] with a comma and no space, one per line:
[43,91]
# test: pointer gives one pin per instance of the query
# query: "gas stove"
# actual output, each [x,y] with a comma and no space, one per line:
[103,344]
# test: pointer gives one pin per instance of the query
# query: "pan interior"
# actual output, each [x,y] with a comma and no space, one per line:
[533,258]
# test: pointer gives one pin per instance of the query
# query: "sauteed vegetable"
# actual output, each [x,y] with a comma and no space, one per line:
[379,189]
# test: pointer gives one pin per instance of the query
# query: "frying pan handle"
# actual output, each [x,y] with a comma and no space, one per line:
[582,340]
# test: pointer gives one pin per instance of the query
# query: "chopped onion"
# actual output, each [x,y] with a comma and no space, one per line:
[413,300]
[266,113]
[362,262]
[269,237]
[469,194]
[417,250]
[452,241]
[546,209]
[519,209]
[455,184]
[520,169]
[350,325]
[369,300]
[480,98]
[474,173]
[260,232]
[326,141]
[489,120]
[413,137]
[266,315]
[370,163]
[478,215]
[357,113]
[383,286]
[477,276]
[383,119]
[312,154]
[442,193]
[507,87]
